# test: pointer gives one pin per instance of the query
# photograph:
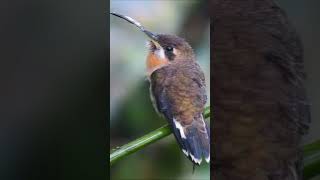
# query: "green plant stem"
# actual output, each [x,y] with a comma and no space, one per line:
[138,144]
[145,140]
[311,160]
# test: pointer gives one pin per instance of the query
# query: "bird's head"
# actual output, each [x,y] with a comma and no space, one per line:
[164,49]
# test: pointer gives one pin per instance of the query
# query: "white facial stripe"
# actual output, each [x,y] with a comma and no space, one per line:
[175,51]
[178,125]
[160,53]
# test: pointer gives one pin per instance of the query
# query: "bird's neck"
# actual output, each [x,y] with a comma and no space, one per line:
[154,62]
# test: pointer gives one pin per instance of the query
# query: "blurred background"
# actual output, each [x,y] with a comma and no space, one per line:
[132,114]
[53,63]
[304,15]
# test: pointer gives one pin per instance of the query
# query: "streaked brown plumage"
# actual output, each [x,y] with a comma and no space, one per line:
[260,104]
[187,95]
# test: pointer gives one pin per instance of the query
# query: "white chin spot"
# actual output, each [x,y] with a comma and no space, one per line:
[148,44]
[178,125]
[208,159]
[160,53]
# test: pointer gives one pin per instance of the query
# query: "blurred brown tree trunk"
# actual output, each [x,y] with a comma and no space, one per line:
[259,99]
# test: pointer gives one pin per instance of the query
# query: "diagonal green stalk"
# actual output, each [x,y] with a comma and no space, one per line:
[139,143]
[145,140]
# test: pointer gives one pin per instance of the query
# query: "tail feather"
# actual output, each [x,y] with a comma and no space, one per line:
[195,145]
[193,139]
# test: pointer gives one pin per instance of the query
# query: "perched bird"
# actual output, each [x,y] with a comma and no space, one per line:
[260,104]
[177,90]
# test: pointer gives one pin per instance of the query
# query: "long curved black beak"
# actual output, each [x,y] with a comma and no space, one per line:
[136,23]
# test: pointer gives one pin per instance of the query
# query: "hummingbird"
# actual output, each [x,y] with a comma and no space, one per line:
[177,90]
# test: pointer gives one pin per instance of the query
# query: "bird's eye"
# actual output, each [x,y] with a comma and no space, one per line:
[169,48]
